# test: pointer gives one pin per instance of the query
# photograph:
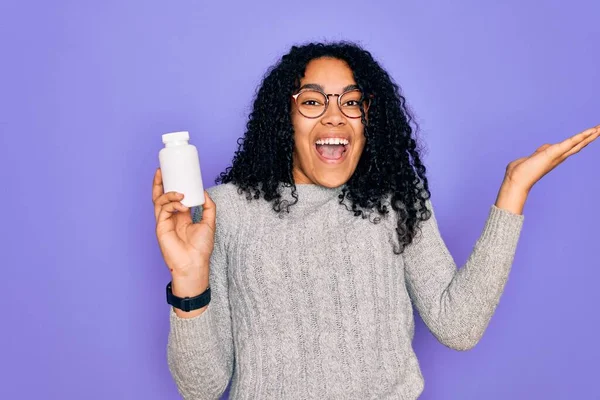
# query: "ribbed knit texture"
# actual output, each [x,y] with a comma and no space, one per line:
[314,304]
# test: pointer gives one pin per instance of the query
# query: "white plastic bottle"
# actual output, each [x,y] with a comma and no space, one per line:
[180,168]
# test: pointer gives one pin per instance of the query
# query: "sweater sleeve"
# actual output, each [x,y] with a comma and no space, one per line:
[200,349]
[457,304]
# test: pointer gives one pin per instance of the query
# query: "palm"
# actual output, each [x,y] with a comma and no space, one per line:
[187,243]
[526,171]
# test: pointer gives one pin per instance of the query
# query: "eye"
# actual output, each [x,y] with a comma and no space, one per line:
[311,103]
[351,103]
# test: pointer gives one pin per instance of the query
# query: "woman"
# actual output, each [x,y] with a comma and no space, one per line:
[321,237]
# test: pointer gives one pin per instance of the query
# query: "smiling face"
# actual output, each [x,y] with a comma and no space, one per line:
[327,148]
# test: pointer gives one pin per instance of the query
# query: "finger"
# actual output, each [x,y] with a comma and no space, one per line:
[209,212]
[581,145]
[568,144]
[157,186]
[169,197]
[168,209]
[164,199]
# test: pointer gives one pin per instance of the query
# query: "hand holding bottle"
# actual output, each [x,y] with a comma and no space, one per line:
[186,246]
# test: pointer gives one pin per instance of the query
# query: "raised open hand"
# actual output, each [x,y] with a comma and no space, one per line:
[524,172]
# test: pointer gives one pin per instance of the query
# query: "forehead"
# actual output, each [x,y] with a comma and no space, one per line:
[331,73]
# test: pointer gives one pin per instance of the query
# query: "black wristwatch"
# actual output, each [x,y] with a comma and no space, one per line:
[188,303]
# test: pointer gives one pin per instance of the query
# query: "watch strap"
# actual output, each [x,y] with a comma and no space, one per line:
[188,303]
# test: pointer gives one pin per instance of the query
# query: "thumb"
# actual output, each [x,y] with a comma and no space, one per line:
[542,148]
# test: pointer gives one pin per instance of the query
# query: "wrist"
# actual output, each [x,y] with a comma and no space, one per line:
[187,287]
[512,197]
[514,187]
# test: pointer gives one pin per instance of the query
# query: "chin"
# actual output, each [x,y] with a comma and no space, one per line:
[332,180]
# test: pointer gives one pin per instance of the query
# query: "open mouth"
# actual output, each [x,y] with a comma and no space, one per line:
[332,150]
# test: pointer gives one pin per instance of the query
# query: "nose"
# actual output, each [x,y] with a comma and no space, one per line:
[333,115]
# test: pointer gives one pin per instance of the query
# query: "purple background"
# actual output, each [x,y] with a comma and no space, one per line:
[87,88]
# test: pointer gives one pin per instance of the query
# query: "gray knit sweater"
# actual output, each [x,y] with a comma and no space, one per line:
[314,304]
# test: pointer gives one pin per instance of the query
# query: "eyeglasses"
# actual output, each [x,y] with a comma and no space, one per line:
[313,103]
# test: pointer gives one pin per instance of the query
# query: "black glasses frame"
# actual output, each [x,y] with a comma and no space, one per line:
[339,101]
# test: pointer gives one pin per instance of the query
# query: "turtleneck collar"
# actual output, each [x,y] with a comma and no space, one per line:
[311,195]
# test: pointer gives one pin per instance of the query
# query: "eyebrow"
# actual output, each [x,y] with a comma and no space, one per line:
[316,86]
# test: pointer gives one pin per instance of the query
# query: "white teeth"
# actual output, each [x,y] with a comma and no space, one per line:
[332,141]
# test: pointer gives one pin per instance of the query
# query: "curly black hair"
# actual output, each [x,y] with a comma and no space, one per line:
[390,167]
